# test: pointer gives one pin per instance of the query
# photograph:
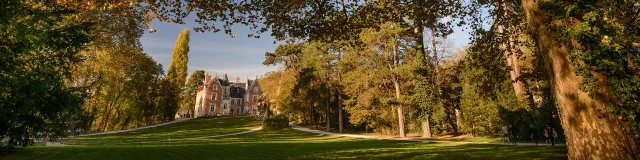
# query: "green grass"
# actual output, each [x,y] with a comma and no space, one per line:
[282,144]
[200,127]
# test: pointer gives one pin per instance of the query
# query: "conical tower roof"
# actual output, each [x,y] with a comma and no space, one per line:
[225,78]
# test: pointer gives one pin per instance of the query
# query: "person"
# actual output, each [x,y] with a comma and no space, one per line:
[555,135]
[546,134]
[505,133]
[512,135]
[549,136]
[532,132]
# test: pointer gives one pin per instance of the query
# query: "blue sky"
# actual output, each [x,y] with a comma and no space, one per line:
[218,53]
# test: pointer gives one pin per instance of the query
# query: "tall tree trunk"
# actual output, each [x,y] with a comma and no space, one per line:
[418,31]
[315,116]
[400,110]
[510,54]
[457,120]
[304,117]
[340,124]
[426,128]
[435,55]
[340,112]
[328,120]
[591,132]
[396,85]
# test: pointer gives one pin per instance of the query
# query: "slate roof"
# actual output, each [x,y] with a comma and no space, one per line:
[250,82]
[234,94]
[223,82]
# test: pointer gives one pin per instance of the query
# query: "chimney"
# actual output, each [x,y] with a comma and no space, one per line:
[207,78]
[237,79]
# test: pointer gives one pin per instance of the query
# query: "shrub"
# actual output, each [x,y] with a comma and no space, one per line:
[275,122]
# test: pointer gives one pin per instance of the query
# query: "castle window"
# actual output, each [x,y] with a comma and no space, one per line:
[225,106]
[232,102]
[214,97]
[215,87]
[213,107]
[255,99]
[255,89]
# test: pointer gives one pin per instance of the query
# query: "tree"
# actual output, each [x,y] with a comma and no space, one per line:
[590,60]
[40,44]
[385,55]
[177,72]
[423,94]
[602,37]
[191,89]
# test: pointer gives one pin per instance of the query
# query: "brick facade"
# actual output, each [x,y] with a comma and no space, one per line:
[231,98]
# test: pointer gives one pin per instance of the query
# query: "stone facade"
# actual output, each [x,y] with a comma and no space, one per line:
[221,97]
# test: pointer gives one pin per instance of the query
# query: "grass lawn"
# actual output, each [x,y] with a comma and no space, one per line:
[199,127]
[448,137]
[280,144]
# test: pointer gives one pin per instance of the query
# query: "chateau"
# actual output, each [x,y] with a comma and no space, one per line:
[221,97]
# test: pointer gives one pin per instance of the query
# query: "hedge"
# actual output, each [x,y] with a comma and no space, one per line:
[275,122]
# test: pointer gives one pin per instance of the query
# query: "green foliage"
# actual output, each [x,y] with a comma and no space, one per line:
[276,122]
[603,42]
[191,89]
[177,72]
[124,82]
[39,46]
[287,54]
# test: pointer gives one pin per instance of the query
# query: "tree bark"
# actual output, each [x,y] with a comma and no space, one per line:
[340,124]
[435,55]
[396,85]
[591,132]
[328,111]
[426,128]
[400,111]
[315,117]
[509,53]
[457,120]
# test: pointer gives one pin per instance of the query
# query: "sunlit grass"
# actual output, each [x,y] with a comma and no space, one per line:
[188,129]
[279,144]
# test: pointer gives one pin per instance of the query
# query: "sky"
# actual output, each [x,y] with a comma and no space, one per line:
[218,53]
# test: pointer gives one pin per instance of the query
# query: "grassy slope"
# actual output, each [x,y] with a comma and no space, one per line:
[288,144]
[192,128]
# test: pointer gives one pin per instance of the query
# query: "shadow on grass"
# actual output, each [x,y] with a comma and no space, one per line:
[292,144]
